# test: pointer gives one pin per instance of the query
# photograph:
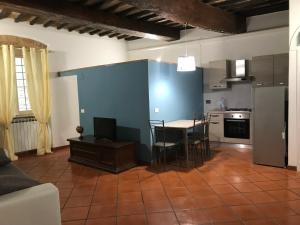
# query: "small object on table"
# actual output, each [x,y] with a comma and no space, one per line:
[80,130]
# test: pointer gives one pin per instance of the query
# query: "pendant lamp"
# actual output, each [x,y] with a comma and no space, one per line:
[186,63]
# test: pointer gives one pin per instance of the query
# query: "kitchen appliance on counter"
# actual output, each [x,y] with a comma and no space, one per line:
[270,126]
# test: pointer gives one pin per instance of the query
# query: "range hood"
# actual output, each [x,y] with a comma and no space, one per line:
[239,71]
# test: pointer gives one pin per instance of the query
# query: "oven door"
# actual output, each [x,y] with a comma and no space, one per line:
[237,128]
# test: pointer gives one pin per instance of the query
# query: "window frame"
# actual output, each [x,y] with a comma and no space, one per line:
[25,112]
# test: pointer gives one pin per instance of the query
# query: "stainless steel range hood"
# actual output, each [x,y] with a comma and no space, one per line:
[239,71]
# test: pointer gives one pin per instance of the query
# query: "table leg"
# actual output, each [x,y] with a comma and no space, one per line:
[186,147]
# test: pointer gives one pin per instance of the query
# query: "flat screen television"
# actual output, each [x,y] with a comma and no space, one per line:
[105,128]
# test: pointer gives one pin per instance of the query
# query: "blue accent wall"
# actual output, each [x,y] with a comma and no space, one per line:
[130,91]
[178,95]
[116,91]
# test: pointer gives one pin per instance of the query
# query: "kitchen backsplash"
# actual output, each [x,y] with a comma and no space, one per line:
[238,96]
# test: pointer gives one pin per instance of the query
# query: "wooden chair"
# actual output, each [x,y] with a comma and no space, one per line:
[160,143]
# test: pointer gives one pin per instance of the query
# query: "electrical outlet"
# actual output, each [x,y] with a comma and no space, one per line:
[82,110]
[156,110]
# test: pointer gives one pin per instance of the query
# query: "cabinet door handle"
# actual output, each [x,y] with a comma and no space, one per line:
[281,83]
[259,84]
[214,115]
[214,122]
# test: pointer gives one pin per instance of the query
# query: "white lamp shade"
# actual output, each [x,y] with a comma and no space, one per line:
[186,64]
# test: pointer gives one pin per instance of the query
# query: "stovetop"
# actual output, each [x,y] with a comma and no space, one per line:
[239,109]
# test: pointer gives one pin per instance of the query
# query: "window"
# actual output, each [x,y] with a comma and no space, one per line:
[22,90]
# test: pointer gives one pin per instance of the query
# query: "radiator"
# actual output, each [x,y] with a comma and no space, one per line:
[24,131]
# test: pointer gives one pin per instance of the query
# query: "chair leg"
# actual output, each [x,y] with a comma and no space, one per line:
[165,158]
[208,149]
[204,151]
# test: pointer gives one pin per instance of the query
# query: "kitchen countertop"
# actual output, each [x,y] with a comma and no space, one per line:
[221,112]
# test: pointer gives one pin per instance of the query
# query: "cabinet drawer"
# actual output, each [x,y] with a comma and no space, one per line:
[82,152]
[258,84]
[216,118]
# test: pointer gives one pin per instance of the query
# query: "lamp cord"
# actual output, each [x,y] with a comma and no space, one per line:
[185,42]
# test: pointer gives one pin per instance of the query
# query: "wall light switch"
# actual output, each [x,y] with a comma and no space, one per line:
[156,110]
[82,110]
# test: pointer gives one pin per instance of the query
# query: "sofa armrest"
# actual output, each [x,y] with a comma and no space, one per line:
[38,205]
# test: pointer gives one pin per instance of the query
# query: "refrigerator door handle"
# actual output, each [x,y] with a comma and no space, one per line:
[283,132]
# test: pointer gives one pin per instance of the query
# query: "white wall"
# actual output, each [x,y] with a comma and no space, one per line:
[294,85]
[68,50]
[272,41]
[65,109]
[267,21]
[254,23]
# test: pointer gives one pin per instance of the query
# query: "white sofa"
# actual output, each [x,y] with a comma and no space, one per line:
[38,205]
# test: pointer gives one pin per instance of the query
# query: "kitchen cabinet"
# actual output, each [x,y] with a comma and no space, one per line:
[216,73]
[263,71]
[216,126]
[281,70]
[270,70]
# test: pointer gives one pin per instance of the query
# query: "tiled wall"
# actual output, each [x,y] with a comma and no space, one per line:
[238,96]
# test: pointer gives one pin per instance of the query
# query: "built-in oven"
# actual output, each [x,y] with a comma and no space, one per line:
[237,125]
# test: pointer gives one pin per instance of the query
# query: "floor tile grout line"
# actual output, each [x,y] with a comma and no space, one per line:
[163,186]
[230,166]
[93,194]
[146,215]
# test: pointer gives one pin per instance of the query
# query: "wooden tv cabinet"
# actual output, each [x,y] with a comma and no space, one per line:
[114,156]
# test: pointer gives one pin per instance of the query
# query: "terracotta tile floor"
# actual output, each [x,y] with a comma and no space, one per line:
[227,190]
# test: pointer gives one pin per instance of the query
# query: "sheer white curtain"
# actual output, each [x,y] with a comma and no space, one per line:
[8,98]
[36,67]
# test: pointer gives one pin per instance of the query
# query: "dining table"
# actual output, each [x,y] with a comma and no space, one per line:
[185,126]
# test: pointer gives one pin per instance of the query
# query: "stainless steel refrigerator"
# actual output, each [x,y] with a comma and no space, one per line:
[270,126]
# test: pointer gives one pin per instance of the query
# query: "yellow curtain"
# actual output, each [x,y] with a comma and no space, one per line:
[36,68]
[8,94]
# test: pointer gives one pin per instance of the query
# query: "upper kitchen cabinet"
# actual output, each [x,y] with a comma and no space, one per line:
[263,71]
[270,70]
[281,70]
[214,76]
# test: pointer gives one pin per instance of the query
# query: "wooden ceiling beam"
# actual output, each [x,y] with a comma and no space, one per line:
[84,30]
[101,34]
[244,4]
[48,23]
[37,20]
[22,17]
[76,27]
[74,13]
[122,36]
[96,31]
[92,2]
[195,13]
[132,38]
[113,35]
[61,26]
[4,13]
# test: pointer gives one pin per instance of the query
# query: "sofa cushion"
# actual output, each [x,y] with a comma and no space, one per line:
[3,158]
[12,183]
